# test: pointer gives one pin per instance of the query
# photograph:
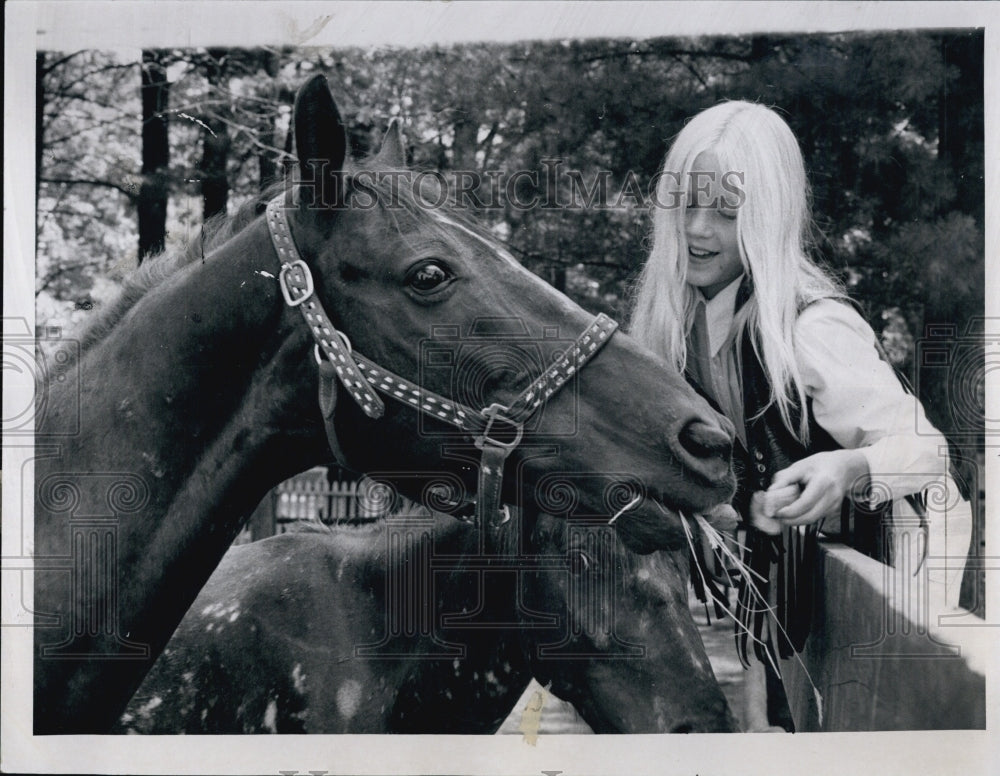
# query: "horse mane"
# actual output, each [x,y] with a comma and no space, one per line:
[159,266]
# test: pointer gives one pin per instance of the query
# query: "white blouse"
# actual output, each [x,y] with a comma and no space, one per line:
[856,397]
[859,401]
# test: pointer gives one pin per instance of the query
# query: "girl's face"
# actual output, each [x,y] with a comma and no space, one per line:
[713,253]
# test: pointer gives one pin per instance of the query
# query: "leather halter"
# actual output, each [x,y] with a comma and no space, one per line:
[361,377]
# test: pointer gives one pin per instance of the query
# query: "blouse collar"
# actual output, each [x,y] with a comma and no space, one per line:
[719,312]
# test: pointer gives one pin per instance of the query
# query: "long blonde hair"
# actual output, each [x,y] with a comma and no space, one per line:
[772,223]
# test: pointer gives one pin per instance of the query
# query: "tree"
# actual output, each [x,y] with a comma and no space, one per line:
[87,157]
[152,205]
[215,141]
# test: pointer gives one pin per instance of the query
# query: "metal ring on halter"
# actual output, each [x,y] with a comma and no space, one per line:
[344,338]
[492,415]
[318,354]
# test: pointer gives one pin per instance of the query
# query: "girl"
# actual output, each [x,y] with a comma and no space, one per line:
[730,295]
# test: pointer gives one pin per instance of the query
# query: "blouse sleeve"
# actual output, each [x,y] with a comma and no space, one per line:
[858,400]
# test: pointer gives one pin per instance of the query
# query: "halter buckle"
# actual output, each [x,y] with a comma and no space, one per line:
[492,415]
[286,287]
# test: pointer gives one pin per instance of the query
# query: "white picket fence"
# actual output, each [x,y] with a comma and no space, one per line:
[311,498]
[314,499]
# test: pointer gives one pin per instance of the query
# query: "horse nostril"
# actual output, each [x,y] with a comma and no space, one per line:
[703,440]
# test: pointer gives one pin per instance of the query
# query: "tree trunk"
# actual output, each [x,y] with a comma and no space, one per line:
[266,161]
[960,122]
[152,204]
[557,277]
[961,147]
[464,145]
[39,117]
[39,129]
[215,144]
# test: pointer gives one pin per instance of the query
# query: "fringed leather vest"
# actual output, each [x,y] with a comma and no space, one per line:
[770,448]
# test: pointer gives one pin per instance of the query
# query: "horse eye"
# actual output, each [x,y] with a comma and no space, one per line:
[429,276]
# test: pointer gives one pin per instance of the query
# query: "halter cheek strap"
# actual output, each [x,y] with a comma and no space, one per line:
[297,288]
[496,429]
[327,407]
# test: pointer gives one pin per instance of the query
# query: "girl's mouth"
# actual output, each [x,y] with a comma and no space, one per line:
[698,253]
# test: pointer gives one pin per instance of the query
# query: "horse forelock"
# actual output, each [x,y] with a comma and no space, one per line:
[414,195]
[505,538]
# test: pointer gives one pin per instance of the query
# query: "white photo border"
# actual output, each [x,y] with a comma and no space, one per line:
[134,25]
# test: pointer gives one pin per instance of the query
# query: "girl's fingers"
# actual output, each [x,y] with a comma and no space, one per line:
[795,474]
[761,516]
[826,479]
[766,524]
[811,495]
[781,496]
[819,499]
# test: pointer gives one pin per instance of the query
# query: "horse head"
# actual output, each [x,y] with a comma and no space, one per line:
[628,654]
[422,294]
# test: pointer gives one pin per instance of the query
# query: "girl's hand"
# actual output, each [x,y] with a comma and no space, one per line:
[825,479]
[764,504]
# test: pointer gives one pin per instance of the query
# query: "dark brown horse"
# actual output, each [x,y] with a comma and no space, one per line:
[197,393]
[425,625]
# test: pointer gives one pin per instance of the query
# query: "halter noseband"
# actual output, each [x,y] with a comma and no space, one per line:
[361,376]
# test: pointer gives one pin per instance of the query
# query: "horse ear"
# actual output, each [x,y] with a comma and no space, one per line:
[393,151]
[321,143]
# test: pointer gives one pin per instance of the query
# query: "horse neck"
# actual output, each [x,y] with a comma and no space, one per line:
[189,411]
[179,371]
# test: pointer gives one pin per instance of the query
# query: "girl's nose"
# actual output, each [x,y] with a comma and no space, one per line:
[696,222]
